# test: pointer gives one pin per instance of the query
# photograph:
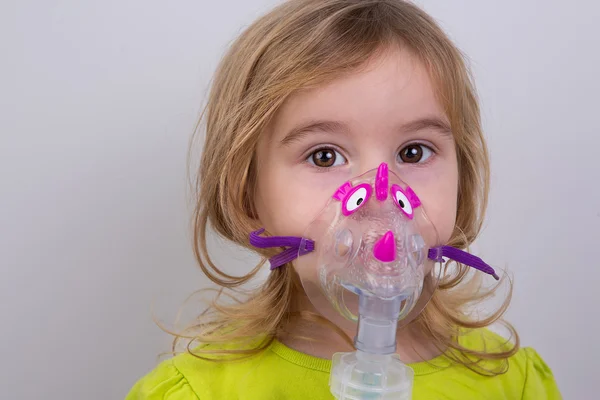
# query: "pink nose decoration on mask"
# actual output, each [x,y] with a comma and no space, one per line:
[385,248]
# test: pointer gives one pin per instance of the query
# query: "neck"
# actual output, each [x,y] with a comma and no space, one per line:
[320,338]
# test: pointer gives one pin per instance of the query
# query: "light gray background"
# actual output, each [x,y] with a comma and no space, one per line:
[97,103]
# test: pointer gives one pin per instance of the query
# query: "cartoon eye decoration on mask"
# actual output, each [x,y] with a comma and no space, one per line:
[406,200]
[353,198]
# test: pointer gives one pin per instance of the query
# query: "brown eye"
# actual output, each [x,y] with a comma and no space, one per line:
[325,158]
[414,153]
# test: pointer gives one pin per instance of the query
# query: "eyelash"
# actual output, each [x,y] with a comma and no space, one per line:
[427,146]
[337,149]
[321,148]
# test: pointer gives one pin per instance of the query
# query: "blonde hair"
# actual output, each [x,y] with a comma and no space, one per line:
[306,43]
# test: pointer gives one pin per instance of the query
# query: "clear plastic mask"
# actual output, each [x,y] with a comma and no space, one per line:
[371,239]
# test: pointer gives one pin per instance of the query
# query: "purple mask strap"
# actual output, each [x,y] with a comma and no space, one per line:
[462,257]
[294,243]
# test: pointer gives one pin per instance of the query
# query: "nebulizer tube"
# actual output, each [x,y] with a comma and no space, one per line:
[374,370]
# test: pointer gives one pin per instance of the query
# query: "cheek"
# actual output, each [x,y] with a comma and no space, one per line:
[289,195]
[444,217]
[439,199]
[285,207]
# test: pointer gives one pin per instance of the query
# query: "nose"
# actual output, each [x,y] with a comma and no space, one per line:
[385,248]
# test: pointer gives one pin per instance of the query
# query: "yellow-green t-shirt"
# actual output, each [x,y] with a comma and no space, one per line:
[281,373]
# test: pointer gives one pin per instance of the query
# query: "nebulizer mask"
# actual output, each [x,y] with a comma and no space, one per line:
[370,262]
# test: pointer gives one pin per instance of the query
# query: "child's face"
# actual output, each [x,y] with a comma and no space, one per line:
[322,137]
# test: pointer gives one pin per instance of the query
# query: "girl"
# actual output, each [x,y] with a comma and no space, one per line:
[311,95]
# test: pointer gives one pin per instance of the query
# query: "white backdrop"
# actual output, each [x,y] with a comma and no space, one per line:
[97,103]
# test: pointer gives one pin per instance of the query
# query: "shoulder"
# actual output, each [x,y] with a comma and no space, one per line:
[526,368]
[195,375]
[539,379]
[166,381]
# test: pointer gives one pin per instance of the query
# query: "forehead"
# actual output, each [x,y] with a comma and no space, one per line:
[393,87]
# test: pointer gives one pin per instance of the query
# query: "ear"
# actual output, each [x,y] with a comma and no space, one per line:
[250,208]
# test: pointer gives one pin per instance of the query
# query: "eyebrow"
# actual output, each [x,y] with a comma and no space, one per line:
[299,132]
[433,123]
[314,126]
